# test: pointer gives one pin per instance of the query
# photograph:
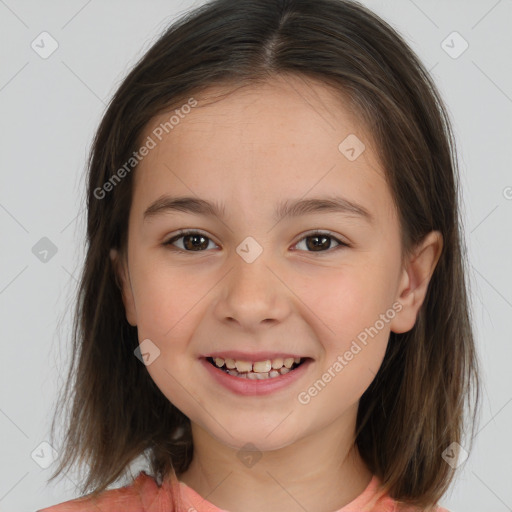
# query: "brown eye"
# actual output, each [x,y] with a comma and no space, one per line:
[193,241]
[321,242]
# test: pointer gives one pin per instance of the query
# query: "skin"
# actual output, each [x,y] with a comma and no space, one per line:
[250,150]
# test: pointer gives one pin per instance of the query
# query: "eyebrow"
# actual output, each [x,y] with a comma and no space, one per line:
[295,208]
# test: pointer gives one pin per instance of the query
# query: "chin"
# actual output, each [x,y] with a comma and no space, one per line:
[263,436]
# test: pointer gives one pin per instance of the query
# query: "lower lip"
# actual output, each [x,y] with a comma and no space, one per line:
[249,387]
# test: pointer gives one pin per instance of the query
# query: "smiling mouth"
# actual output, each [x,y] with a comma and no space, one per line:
[260,370]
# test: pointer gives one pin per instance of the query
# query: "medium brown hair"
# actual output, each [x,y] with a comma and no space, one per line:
[416,405]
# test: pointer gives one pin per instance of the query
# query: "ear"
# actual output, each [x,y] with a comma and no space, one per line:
[415,279]
[120,267]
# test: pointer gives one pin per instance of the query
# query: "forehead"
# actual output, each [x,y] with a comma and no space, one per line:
[285,137]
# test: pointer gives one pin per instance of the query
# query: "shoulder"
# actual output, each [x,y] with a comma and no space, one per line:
[133,498]
[415,509]
[380,501]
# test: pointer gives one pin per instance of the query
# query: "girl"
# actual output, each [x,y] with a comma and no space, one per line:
[273,307]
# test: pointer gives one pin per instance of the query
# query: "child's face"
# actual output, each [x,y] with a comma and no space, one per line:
[250,152]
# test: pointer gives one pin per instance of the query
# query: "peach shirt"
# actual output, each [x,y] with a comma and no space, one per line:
[144,495]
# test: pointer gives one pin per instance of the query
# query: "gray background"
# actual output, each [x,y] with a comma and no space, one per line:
[49,110]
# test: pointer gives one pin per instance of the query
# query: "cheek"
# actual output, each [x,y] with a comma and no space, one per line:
[349,300]
[166,298]
[167,308]
[354,306]
[358,318]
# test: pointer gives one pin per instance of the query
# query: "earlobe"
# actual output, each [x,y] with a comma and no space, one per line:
[415,279]
[122,277]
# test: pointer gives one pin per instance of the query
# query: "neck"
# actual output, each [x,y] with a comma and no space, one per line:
[322,472]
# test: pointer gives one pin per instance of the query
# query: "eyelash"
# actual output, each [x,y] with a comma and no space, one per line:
[328,234]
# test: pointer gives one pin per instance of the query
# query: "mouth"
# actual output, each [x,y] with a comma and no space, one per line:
[258,370]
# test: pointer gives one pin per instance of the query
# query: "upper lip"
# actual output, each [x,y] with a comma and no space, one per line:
[254,356]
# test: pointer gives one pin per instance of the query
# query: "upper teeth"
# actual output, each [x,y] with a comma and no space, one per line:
[258,366]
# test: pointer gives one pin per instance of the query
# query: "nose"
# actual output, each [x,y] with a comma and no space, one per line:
[252,295]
